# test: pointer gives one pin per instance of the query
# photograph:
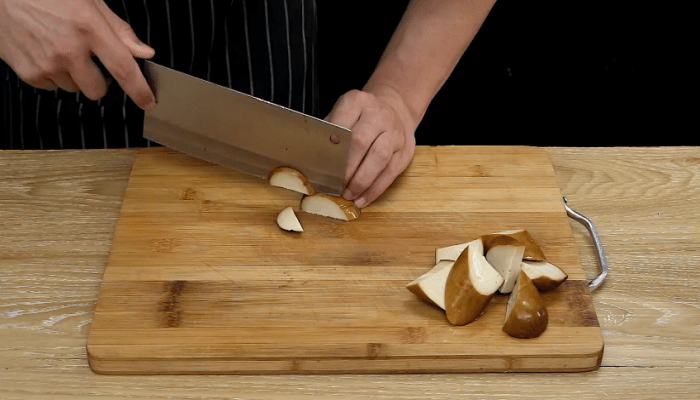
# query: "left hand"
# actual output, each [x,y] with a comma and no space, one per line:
[382,145]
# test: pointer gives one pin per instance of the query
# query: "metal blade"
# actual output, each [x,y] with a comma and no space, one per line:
[239,131]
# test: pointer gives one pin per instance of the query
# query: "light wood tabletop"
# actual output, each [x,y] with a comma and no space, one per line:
[59,209]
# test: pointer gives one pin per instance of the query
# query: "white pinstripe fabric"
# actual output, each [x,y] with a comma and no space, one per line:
[21,116]
[82,129]
[36,120]
[269,51]
[247,47]
[10,111]
[289,52]
[189,4]
[58,119]
[303,41]
[170,34]
[213,37]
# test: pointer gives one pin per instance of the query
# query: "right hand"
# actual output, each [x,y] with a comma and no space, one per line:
[50,44]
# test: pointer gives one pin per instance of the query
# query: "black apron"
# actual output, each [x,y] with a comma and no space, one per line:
[265,48]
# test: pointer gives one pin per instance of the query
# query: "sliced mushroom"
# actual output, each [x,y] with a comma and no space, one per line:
[526,314]
[290,178]
[506,260]
[471,284]
[544,276]
[288,221]
[430,287]
[533,251]
[330,206]
[450,253]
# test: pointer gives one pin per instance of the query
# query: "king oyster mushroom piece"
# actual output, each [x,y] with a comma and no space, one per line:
[526,314]
[506,259]
[330,206]
[533,251]
[430,287]
[288,221]
[471,284]
[290,178]
[545,276]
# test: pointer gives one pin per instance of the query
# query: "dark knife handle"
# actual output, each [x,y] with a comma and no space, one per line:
[115,98]
[105,72]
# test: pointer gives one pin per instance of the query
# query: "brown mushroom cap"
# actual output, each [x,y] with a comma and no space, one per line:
[471,284]
[533,251]
[526,314]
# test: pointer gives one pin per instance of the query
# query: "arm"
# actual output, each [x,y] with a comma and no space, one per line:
[384,115]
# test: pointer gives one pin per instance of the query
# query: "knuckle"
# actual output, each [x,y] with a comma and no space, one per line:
[359,184]
[385,114]
[123,70]
[382,153]
[49,68]
[362,97]
[122,28]
[65,52]
[142,98]
[353,98]
[95,94]
[29,73]
[346,101]
[360,141]
[393,171]
[353,94]
[94,90]
[30,76]
[82,20]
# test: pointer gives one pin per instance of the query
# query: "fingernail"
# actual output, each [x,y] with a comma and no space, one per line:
[347,194]
[141,46]
[361,202]
[147,47]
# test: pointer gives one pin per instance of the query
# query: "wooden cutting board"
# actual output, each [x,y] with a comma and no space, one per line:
[200,279]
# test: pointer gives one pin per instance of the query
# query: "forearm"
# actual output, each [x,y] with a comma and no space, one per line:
[422,53]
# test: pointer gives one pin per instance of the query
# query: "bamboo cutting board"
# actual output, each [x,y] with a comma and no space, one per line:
[200,279]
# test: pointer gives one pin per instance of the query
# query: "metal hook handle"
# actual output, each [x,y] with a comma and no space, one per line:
[598,280]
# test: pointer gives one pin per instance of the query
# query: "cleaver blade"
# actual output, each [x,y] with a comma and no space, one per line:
[239,131]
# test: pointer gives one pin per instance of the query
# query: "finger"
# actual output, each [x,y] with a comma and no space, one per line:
[382,183]
[89,78]
[364,133]
[376,160]
[65,82]
[126,33]
[118,60]
[348,109]
[46,84]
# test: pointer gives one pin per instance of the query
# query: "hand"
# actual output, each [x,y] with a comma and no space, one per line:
[382,141]
[50,44]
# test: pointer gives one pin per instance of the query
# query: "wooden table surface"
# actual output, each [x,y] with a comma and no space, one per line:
[58,211]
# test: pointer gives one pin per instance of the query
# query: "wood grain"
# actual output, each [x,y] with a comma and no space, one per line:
[53,254]
[333,299]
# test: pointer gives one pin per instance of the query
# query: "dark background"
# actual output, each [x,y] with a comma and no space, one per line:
[552,73]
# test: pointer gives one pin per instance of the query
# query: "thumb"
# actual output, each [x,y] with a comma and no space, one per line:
[126,33]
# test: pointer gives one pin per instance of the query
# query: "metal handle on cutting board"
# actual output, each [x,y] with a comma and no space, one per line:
[598,280]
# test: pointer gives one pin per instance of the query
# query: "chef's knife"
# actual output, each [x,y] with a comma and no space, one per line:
[239,131]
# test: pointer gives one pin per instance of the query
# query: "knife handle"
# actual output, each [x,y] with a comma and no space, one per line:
[110,79]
